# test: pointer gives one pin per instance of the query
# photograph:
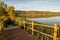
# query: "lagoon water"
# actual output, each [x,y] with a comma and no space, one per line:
[49,20]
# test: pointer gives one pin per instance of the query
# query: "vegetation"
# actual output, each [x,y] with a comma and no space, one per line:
[8,16]
[36,14]
[6,12]
[8,22]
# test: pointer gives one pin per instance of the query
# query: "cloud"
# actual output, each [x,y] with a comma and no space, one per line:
[21,6]
[49,5]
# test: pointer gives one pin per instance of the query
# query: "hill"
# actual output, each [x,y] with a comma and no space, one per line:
[35,14]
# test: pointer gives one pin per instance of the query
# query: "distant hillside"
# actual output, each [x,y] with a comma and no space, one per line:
[35,14]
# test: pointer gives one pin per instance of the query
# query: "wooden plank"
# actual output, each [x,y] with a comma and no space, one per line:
[41,25]
[44,25]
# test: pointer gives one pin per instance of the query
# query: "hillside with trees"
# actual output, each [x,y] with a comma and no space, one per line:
[35,14]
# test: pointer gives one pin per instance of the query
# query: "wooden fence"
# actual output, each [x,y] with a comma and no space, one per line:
[1,31]
[43,30]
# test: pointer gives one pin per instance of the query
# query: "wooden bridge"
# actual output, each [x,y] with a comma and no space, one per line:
[44,32]
[16,33]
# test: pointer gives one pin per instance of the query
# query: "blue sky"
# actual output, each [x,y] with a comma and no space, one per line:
[40,5]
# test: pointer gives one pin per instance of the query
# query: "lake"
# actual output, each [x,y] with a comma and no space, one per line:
[49,20]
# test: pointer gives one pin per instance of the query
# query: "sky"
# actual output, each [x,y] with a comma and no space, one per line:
[37,5]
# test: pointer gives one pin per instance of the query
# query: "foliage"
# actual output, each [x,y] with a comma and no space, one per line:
[6,11]
[19,20]
[2,9]
[10,10]
[8,22]
[36,14]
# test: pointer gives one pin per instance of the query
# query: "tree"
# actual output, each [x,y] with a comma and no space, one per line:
[10,11]
[1,4]
[2,9]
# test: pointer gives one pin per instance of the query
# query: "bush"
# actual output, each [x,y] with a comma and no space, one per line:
[8,22]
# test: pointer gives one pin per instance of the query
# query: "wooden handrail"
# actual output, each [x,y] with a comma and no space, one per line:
[55,27]
[42,33]
[41,25]
[44,25]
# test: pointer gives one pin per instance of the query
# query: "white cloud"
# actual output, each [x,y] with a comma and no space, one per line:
[35,5]
[21,6]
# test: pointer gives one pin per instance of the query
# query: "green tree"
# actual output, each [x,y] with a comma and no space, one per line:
[2,9]
[10,10]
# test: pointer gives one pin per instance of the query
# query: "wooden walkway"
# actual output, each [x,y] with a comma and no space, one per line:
[18,34]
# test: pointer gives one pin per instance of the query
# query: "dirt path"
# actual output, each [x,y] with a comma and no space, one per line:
[18,34]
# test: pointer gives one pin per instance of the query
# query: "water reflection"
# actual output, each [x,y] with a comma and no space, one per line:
[49,21]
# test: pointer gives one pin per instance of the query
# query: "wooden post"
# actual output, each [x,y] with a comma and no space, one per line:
[32,28]
[24,24]
[1,26]
[55,32]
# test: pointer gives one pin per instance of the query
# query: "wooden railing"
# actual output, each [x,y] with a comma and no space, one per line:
[41,30]
[45,30]
[1,32]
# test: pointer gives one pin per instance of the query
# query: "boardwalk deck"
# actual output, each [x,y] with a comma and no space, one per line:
[18,34]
